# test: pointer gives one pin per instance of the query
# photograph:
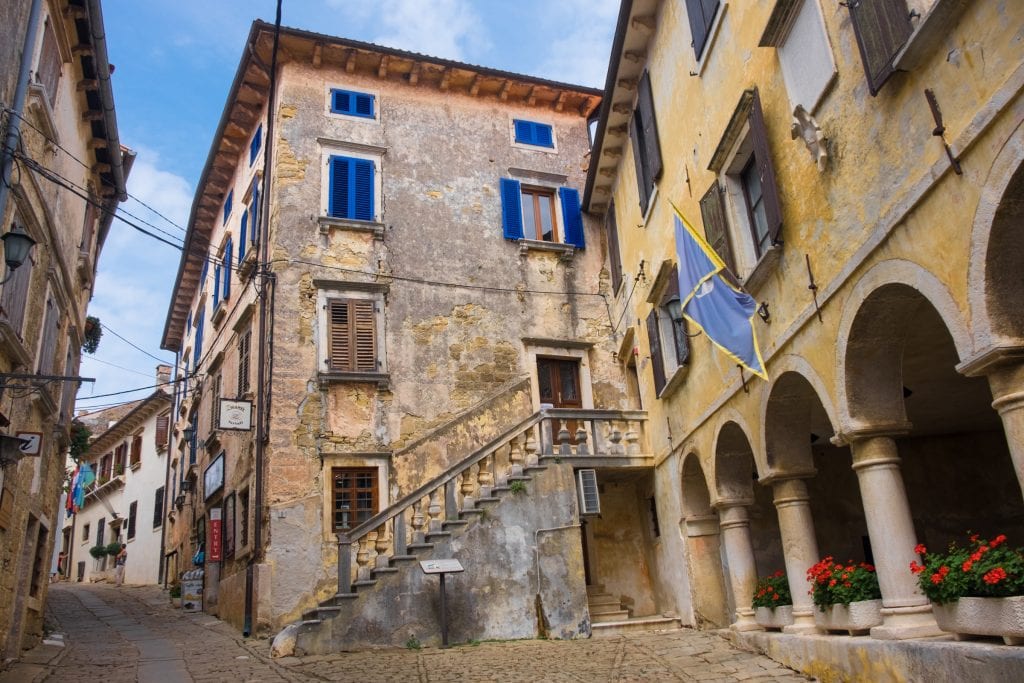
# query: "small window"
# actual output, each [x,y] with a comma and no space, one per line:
[254,212]
[353,496]
[351,188]
[227,205]
[229,255]
[701,14]
[352,335]
[528,212]
[158,508]
[666,333]
[243,232]
[85,532]
[197,352]
[228,540]
[133,511]
[243,518]
[533,133]
[215,401]
[589,494]
[352,103]
[50,63]
[136,453]
[15,293]
[163,430]
[255,145]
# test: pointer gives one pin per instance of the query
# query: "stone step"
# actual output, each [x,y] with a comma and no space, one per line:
[610,616]
[419,547]
[596,589]
[606,608]
[454,523]
[523,477]
[534,468]
[603,599]
[379,571]
[339,599]
[611,629]
[434,535]
[403,559]
[321,613]
[491,500]
[366,583]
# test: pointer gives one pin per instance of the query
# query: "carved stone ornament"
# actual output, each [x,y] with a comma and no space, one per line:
[804,126]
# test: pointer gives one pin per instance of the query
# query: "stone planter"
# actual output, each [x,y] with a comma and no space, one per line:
[857,618]
[999,617]
[774,617]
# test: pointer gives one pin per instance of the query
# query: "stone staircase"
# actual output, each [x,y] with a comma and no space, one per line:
[609,617]
[378,560]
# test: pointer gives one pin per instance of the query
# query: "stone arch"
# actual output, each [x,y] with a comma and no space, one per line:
[696,495]
[876,318]
[997,248]
[794,411]
[792,362]
[734,464]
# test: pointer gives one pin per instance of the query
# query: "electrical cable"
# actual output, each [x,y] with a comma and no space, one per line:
[114,365]
[106,328]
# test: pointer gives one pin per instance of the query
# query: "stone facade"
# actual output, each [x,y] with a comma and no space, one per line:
[67,103]
[460,317]
[891,330]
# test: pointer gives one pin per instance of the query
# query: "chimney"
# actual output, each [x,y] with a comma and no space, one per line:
[163,374]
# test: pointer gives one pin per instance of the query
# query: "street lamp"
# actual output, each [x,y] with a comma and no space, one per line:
[189,433]
[17,244]
[675,309]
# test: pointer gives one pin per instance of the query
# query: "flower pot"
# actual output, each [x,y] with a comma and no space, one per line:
[774,617]
[857,618]
[1000,617]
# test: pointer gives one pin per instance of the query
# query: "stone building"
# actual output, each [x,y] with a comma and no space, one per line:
[128,456]
[59,129]
[438,363]
[858,166]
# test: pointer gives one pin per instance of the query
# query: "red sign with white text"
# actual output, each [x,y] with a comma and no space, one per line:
[214,549]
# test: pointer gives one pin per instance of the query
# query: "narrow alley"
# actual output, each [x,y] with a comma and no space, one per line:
[131,633]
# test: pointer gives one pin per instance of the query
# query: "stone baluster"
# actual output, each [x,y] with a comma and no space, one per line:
[515,457]
[615,436]
[632,439]
[469,482]
[363,558]
[434,511]
[906,612]
[531,449]
[418,521]
[382,545]
[581,439]
[399,546]
[799,547]
[734,520]
[564,439]
[484,477]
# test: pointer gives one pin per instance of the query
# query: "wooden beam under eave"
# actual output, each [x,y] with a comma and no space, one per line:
[607,171]
[382,69]
[87,84]
[318,54]
[644,23]
[257,91]
[622,108]
[414,74]
[350,61]
[474,86]
[505,88]
[82,49]
[635,56]
[75,12]
[233,144]
[92,115]
[446,78]
[235,130]
[588,106]
[531,97]
[613,151]
[628,83]
[97,143]
[560,101]
[618,130]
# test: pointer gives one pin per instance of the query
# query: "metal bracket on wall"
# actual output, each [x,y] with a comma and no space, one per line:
[940,129]
[812,285]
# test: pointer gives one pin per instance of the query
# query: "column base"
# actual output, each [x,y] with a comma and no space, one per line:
[904,623]
[745,622]
[803,624]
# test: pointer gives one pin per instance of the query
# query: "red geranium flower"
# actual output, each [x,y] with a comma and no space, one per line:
[995,576]
[920,549]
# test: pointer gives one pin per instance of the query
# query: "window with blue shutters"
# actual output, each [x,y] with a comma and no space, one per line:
[228,254]
[204,273]
[352,103]
[351,188]
[530,212]
[254,146]
[216,285]
[227,205]
[242,229]
[533,133]
[197,352]
[254,212]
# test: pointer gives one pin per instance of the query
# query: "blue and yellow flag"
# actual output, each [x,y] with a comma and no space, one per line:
[724,313]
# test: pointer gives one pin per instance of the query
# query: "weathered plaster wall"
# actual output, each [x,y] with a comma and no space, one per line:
[500,595]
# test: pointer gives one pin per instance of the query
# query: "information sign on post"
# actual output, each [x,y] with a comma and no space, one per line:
[442,567]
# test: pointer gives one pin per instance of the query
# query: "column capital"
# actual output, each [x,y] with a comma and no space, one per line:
[862,432]
[701,525]
[992,357]
[730,503]
[779,476]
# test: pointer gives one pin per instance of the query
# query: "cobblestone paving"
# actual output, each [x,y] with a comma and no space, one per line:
[117,635]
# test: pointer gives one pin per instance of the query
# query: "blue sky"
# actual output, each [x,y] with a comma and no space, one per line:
[174,63]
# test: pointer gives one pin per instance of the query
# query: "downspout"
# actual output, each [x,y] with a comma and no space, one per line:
[161,572]
[18,106]
[265,281]
[102,65]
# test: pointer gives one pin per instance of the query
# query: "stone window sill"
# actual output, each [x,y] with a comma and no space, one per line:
[675,381]
[329,222]
[930,34]
[10,341]
[565,252]
[381,379]
[765,266]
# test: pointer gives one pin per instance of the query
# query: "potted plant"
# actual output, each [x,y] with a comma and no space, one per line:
[98,551]
[975,590]
[773,603]
[175,594]
[92,333]
[113,548]
[847,596]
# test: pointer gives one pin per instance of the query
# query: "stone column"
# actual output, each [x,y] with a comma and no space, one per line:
[703,543]
[1007,383]
[906,612]
[799,546]
[735,523]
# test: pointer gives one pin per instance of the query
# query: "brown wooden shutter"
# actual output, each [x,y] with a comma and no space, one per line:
[657,361]
[766,170]
[712,211]
[882,28]
[614,257]
[643,188]
[163,424]
[48,70]
[244,346]
[340,336]
[365,336]
[652,148]
[51,332]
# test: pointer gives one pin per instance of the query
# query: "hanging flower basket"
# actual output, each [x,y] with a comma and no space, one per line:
[92,333]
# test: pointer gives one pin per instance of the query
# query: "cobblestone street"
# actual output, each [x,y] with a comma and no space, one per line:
[132,634]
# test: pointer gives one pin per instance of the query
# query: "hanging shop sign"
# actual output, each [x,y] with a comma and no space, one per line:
[235,415]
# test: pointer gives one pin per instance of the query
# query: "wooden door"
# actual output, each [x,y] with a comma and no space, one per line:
[559,384]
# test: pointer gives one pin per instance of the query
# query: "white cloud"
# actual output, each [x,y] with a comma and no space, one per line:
[580,52]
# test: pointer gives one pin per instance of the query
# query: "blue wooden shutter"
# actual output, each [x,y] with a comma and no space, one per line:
[572,217]
[524,132]
[255,211]
[241,235]
[542,135]
[339,187]
[254,146]
[204,273]
[363,105]
[511,209]
[227,205]
[216,285]
[362,190]
[197,352]
[228,255]
[341,101]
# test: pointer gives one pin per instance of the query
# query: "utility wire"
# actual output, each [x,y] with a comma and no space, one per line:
[107,328]
[119,367]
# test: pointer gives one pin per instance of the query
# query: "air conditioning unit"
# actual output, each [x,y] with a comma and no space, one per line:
[590,501]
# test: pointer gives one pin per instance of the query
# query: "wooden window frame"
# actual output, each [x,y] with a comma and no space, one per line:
[752,205]
[335,490]
[352,349]
[228,538]
[51,64]
[215,394]
[135,453]
[533,193]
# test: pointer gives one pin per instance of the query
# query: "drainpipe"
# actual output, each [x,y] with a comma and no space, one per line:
[14,119]
[99,44]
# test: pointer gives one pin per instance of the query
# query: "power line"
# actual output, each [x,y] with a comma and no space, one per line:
[107,328]
[119,367]
[129,391]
